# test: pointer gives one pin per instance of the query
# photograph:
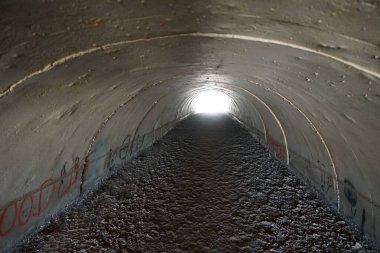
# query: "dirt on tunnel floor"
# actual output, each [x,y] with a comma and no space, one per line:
[207,186]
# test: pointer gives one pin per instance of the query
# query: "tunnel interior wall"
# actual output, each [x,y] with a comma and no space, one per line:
[35,208]
[79,96]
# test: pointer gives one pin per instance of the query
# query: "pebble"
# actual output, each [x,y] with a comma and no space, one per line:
[357,246]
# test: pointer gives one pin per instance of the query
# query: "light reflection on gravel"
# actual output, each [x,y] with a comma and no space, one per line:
[206,187]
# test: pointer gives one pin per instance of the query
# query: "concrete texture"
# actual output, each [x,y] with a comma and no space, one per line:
[207,186]
[87,84]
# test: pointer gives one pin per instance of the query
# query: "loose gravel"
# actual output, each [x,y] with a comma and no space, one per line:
[207,186]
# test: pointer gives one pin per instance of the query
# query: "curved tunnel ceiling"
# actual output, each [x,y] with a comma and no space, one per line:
[83,78]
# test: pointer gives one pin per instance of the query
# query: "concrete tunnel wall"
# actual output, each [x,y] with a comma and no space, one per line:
[85,85]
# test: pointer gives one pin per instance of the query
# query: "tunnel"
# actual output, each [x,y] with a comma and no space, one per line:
[86,86]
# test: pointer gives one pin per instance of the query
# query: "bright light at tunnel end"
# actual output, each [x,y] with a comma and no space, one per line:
[211,102]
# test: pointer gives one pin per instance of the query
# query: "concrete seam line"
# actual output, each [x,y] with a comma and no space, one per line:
[277,121]
[272,113]
[330,157]
[291,45]
[48,67]
[104,123]
[243,124]
[318,134]
[60,61]
[52,182]
[131,97]
[274,116]
[312,127]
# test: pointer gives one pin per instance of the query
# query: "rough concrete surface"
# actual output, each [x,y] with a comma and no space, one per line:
[207,186]
[85,84]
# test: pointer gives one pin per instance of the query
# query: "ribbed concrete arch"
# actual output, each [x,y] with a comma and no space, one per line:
[87,85]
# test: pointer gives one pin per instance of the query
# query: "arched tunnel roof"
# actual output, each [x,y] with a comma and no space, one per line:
[80,79]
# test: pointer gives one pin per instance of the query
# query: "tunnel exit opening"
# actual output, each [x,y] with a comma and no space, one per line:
[211,102]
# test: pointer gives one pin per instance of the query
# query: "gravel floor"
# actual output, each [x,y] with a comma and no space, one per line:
[206,187]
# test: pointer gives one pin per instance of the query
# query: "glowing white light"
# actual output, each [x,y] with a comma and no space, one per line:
[211,101]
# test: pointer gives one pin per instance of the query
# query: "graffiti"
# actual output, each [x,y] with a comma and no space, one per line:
[363,221]
[22,211]
[125,147]
[68,179]
[326,182]
[277,148]
[351,195]
[121,153]
[5,231]
[111,158]
[137,143]
[350,192]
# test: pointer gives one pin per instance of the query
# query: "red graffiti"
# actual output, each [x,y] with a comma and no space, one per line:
[2,218]
[23,208]
[277,148]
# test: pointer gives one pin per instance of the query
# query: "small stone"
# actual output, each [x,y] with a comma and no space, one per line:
[233,239]
[357,246]
[266,224]
[340,223]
